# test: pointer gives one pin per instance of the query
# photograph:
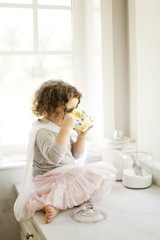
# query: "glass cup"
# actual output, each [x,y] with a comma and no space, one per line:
[137,169]
[113,149]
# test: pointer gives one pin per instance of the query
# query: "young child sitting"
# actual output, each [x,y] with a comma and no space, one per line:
[52,180]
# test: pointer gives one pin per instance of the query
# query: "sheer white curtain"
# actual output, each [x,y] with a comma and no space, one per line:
[94,63]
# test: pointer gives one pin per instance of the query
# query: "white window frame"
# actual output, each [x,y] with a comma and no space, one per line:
[17,151]
[80,38]
[35,8]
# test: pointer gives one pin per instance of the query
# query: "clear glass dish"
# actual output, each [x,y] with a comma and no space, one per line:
[87,214]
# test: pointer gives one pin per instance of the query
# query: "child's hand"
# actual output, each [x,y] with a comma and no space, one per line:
[83,134]
[69,121]
[79,145]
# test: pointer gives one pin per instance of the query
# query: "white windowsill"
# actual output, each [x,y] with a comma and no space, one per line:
[12,162]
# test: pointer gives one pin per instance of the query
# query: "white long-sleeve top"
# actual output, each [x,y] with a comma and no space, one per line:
[48,154]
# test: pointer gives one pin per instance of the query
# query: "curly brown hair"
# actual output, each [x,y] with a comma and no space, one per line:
[51,95]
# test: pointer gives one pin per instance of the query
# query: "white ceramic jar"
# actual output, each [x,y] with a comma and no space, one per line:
[113,149]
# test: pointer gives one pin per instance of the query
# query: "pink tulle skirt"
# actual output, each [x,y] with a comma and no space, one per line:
[70,185]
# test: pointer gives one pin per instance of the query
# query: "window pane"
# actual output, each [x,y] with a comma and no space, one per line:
[19,77]
[55,2]
[16,31]
[54,29]
[16,1]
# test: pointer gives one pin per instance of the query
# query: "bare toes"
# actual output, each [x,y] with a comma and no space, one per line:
[51,213]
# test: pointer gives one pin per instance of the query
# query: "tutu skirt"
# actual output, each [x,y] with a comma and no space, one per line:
[71,185]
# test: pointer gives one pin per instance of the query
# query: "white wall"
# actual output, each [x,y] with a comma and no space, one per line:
[115,66]
[132,63]
[120,65]
[146,33]
[148,88]
[102,64]
[131,70]
[88,68]
[107,67]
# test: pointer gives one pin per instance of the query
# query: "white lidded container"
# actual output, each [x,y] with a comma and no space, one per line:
[137,169]
[113,149]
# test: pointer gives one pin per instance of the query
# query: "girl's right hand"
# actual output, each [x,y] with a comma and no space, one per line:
[69,121]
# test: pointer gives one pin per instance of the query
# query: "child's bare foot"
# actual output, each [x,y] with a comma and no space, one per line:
[51,212]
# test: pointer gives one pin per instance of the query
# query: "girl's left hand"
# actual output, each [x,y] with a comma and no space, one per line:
[80,133]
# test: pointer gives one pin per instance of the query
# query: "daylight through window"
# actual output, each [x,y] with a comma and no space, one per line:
[35,45]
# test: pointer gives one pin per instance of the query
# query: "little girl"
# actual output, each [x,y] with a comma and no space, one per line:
[53,180]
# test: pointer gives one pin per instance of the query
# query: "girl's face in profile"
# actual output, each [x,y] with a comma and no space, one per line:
[62,111]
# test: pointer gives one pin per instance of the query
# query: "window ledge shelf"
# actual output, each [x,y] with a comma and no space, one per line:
[11,163]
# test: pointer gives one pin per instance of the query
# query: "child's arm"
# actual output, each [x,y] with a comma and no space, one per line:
[63,137]
[79,145]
